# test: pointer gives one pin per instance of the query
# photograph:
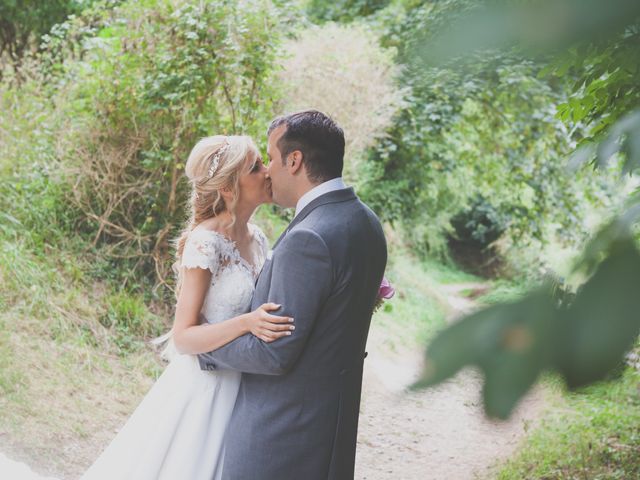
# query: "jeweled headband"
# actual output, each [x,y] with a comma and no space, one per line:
[215,159]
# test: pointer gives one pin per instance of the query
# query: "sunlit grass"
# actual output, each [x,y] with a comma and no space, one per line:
[445,273]
[504,291]
[63,380]
[420,307]
[594,434]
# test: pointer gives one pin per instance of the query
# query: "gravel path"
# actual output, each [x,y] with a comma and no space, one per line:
[439,433]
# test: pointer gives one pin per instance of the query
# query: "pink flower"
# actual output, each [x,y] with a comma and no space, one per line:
[386,291]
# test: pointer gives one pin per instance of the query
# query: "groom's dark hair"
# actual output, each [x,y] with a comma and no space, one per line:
[318,137]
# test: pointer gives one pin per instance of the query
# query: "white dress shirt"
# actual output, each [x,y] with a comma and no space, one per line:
[315,192]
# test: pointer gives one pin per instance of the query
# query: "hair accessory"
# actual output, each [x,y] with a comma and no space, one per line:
[215,159]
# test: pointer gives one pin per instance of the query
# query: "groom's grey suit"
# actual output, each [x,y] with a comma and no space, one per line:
[296,415]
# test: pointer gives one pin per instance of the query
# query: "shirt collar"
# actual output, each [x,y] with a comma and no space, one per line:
[315,192]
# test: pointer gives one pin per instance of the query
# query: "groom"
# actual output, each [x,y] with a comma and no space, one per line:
[296,415]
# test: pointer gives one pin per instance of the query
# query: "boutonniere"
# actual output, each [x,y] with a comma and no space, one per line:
[385,292]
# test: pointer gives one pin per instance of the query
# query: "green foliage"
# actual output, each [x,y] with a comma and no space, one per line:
[33,202]
[23,22]
[129,319]
[480,225]
[468,134]
[134,87]
[606,97]
[471,244]
[594,435]
[602,107]
[343,10]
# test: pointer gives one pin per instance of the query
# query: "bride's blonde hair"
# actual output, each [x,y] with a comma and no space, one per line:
[215,163]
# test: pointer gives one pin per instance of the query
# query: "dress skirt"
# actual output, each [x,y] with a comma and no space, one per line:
[177,431]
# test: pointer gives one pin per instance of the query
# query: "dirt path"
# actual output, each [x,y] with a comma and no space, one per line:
[439,433]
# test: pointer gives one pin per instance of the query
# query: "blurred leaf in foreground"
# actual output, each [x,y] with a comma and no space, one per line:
[513,343]
[604,320]
[622,137]
[537,26]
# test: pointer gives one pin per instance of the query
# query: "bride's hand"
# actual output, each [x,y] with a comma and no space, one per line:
[268,327]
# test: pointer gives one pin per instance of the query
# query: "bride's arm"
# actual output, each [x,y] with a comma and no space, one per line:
[190,337]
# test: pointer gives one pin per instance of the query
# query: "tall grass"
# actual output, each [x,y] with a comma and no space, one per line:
[65,378]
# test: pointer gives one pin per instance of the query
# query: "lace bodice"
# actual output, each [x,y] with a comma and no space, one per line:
[232,277]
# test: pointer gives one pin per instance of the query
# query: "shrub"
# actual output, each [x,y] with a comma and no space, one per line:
[343,71]
[343,10]
[480,225]
[487,128]
[474,232]
[147,81]
[24,22]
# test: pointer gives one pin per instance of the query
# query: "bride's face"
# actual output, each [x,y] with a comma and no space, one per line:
[254,187]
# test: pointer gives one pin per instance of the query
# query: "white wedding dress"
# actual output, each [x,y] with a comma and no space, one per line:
[177,432]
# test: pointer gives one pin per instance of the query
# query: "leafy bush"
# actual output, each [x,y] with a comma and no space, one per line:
[586,336]
[32,194]
[148,81]
[343,10]
[474,232]
[488,129]
[480,225]
[24,22]
[343,71]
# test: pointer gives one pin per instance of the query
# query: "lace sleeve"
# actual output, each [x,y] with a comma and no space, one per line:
[262,240]
[201,251]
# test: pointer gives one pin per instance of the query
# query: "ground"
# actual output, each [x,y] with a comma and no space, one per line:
[440,433]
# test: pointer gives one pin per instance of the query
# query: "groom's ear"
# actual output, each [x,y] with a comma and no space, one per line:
[294,161]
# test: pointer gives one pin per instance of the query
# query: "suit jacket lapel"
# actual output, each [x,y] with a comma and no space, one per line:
[336,196]
[281,236]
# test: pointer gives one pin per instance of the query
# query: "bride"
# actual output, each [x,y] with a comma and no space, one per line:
[177,431]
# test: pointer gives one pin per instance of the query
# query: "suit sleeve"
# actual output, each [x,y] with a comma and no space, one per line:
[300,282]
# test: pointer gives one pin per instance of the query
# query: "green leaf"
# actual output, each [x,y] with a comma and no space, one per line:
[513,343]
[509,344]
[580,157]
[604,321]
